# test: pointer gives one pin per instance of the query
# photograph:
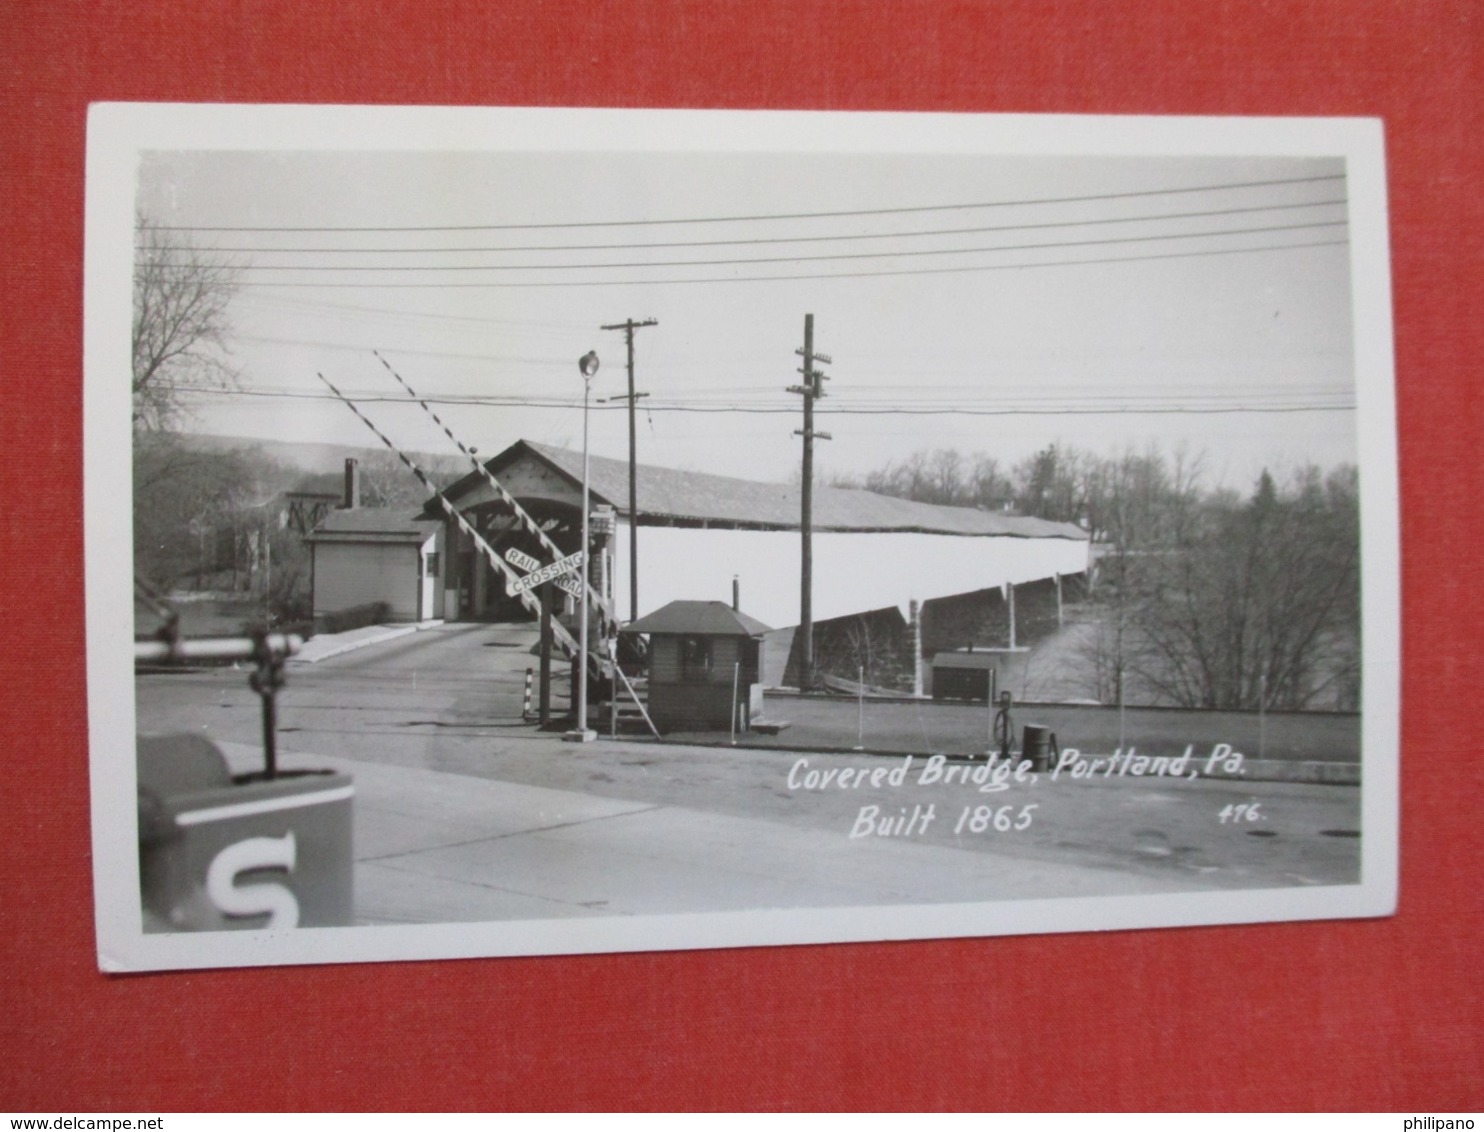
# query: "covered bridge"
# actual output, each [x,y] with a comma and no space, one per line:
[697,531]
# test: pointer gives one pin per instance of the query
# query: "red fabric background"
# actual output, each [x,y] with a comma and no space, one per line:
[1376,1014]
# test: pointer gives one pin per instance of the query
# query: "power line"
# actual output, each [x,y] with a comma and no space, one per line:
[973,230]
[961,270]
[748,261]
[351,308]
[1110,406]
[904,210]
[872,394]
[346,346]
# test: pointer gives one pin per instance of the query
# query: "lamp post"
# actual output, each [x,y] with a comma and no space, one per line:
[582,733]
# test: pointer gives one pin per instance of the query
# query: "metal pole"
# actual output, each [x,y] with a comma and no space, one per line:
[587,388]
[581,733]
[989,703]
[544,715]
[633,489]
[806,519]
[270,728]
[265,681]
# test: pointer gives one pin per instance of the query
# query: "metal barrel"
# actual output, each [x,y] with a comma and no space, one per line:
[1036,743]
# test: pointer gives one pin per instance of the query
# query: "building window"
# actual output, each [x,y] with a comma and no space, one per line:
[695,658]
[432,563]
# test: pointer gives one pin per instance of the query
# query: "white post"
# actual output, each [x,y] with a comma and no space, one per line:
[860,708]
[736,669]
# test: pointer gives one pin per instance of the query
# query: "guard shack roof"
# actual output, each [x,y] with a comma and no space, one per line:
[698,619]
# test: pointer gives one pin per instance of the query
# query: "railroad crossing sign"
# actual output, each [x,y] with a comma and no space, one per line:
[522,561]
[538,573]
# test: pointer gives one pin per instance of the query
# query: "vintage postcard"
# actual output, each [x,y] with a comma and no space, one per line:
[554,531]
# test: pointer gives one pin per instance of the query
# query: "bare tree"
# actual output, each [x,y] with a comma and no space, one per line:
[945,476]
[1198,597]
[387,482]
[1257,602]
[1055,484]
[990,488]
[181,295]
[183,508]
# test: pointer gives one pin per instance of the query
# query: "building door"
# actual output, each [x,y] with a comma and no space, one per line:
[429,591]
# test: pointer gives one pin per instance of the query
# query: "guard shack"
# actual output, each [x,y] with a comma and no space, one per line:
[704,665]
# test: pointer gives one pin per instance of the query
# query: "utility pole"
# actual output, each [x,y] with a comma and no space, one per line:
[628,326]
[811,390]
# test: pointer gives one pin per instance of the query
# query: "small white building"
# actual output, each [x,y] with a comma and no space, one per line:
[363,555]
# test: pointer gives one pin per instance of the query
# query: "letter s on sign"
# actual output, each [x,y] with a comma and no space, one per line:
[254,899]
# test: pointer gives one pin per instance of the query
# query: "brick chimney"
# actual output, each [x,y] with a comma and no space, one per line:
[352,498]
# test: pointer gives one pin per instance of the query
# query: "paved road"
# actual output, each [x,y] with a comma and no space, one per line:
[466,812]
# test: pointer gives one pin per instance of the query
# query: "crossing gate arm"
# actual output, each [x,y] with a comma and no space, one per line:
[596,599]
[528,599]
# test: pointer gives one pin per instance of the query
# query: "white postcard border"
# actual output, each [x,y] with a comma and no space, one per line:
[118,133]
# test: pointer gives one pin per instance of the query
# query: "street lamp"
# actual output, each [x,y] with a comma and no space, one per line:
[582,733]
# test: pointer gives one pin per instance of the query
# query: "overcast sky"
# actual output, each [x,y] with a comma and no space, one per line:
[1241,301]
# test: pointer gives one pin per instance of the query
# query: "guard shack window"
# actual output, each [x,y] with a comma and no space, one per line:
[695,658]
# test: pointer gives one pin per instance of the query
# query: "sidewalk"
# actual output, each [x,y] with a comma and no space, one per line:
[322,646]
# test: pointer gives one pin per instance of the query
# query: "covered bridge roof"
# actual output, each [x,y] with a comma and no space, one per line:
[669,494]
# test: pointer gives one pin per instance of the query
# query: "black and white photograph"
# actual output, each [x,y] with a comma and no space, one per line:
[558,531]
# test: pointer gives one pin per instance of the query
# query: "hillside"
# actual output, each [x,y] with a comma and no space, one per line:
[317,459]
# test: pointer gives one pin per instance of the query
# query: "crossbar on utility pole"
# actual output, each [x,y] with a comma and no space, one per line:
[811,390]
[628,326]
